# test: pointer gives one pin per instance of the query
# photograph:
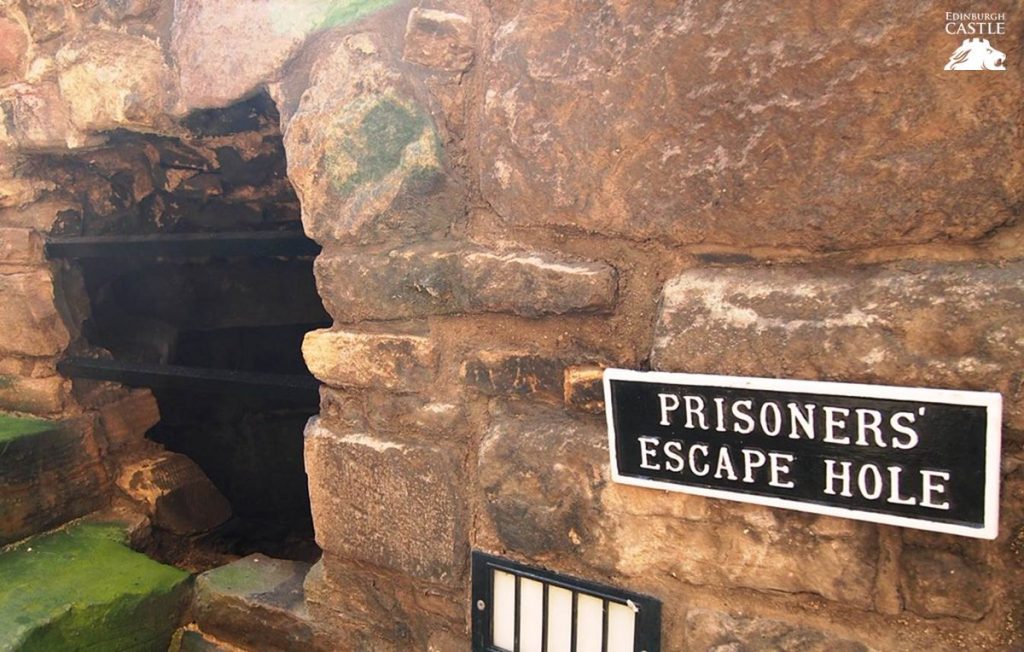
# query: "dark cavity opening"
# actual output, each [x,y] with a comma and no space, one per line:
[209,308]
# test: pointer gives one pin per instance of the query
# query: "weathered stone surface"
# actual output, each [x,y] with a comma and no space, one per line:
[177,495]
[35,117]
[225,50]
[255,602]
[126,421]
[192,640]
[46,18]
[952,325]
[19,246]
[716,123]
[504,373]
[395,505]
[122,9]
[101,595]
[395,361]
[439,39]
[743,546]
[445,278]
[29,323]
[363,154]
[39,215]
[937,583]
[14,44]
[50,473]
[17,193]
[723,632]
[34,395]
[542,473]
[583,388]
[113,80]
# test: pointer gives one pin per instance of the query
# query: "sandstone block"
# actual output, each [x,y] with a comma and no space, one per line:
[46,18]
[363,153]
[936,583]
[439,39]
[14,44]
[394,505]
[113,80]
[50,473]
[503,373]
[255,602]
[19,246]
[541,474]
[29,323]
[34,395]
[958,326]
[362,359]
[17,193]
[583,388]
[126,421]
[716,630]
[177,494]
[35,117]
[225,50]
[39,216]
[811,148]
[439,279]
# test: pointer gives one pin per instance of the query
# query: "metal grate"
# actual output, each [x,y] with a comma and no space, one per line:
[517,608]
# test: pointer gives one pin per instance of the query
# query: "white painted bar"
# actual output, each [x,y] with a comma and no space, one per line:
[531,615]
[559,619]
[503,612]
[589,623]
[621,627]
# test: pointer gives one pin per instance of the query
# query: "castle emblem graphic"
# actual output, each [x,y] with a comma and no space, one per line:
[976,54]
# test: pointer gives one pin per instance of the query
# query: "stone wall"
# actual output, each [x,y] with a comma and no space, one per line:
[512,196]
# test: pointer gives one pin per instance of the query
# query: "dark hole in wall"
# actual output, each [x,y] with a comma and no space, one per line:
[250,314]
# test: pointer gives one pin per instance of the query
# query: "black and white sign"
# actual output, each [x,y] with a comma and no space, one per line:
[914,457]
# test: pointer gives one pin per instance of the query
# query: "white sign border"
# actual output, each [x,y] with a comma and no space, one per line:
[993,401]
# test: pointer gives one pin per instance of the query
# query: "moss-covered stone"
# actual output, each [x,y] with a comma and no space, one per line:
[83,588]
[14,427]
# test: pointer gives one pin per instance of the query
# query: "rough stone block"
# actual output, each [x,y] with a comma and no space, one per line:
[126,421]
[394,505]
[46,18]
[29,323]
[113,80]
[716,630]
[255,602]
[812,147]
[503,373]
[102,595]
[34,395]
[958,326]
[394,361]
[177,494]
[225,50]
[36,117]
[19,247]
[937,583]
[363,153]
[50,473]
[541,474]
[40,215]
[439,39]
[583,388]
[14,44]
[439,279]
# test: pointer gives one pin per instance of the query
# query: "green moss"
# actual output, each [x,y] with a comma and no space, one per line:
[348,11]
[83,588]
[384,133]
[15,427]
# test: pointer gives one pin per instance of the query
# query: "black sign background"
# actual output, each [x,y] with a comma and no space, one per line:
[952,438]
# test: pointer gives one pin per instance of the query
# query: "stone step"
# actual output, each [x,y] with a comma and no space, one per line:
[254,603]
[50,473]
[83,588]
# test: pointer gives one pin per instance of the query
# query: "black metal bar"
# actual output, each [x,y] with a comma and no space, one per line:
[604,626]
[218,381]
[574,621]
[518,615]
[182,245]
[544,618]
